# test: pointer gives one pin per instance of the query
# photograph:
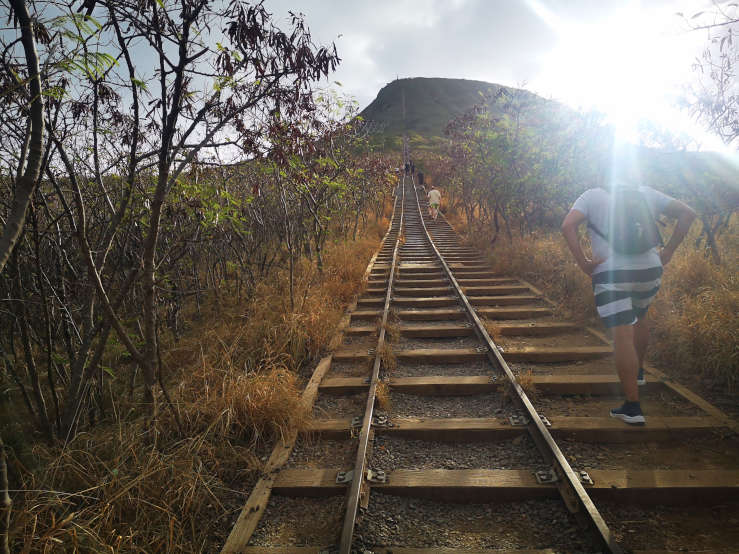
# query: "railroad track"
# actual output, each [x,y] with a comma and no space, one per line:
[460,416]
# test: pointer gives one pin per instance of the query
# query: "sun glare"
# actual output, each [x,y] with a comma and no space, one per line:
[631,65]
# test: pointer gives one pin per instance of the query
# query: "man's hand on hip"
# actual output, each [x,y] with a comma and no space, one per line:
[588,266]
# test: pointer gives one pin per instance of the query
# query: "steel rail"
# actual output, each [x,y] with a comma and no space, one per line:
[353,494]
[573,493]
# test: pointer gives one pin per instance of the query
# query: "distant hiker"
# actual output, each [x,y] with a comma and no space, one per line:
[626,270]
[420,179]
[434,202]
[407,168]
[413,168]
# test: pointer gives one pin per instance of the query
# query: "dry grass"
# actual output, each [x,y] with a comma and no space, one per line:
[392,328]
[128,487]
[526,380]
[382,395]
[493,329]
[389,363]
[695,325]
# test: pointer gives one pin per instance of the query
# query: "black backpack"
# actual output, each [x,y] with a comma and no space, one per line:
[633,227]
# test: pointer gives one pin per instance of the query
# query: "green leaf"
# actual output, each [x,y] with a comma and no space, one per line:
[139,84]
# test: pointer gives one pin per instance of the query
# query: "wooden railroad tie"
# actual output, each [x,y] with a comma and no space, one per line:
[586,429]
[456,385]
[461,355]
[502,485]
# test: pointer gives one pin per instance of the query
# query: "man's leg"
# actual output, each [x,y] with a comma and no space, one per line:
[627,360]
[641,338]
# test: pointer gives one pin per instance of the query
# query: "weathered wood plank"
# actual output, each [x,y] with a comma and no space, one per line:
[555,354]
[421,282]
[437,331]
[308,482]
[360,331]
[432,315]
[440,355]
[424,302]
[542,328]
[494,290]
[461,355]
[406,268]
[283,549]
[438,550]
[586,429]
[510,300]
[512,313]
[486,281]
[460,329]
[365,315]
[495,485]
[422,291]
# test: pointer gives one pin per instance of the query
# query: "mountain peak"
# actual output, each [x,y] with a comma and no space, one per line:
[430,103]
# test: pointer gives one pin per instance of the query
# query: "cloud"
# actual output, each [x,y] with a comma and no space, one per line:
[381,40]
[582,52]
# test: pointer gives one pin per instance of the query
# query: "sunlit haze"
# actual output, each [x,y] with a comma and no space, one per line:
[628,59]
[632,65]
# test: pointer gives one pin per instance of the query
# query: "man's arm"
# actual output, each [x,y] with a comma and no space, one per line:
[685,216]
[569,229]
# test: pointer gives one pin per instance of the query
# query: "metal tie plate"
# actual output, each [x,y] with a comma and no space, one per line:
[585,478]
[546,476]
[376,476]
[345,476]
[518,420]
[357,421]
[381,421]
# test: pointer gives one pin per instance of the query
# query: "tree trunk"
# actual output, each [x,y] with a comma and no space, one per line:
[711,240]
[6,503]
[27,183]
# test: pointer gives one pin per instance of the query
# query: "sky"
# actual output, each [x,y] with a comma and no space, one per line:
[628,59]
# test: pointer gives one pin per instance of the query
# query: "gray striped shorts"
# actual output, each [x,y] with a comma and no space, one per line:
[623,296]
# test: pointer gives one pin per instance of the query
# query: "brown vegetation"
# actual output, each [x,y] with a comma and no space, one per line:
[383,396]
[126,487]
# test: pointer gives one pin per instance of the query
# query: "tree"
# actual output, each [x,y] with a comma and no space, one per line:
[714,100]
[32,150]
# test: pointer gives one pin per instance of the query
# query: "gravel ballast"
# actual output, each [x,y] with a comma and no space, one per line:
[390,453]
[300,522]
[535,524]
[478,405]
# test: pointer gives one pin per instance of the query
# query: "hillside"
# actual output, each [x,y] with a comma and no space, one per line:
[429,105]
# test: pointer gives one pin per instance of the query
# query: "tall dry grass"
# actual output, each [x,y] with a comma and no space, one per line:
[695,328]
[235,380]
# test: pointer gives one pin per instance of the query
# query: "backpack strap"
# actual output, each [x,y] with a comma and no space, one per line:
[653,219]
[597,231]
